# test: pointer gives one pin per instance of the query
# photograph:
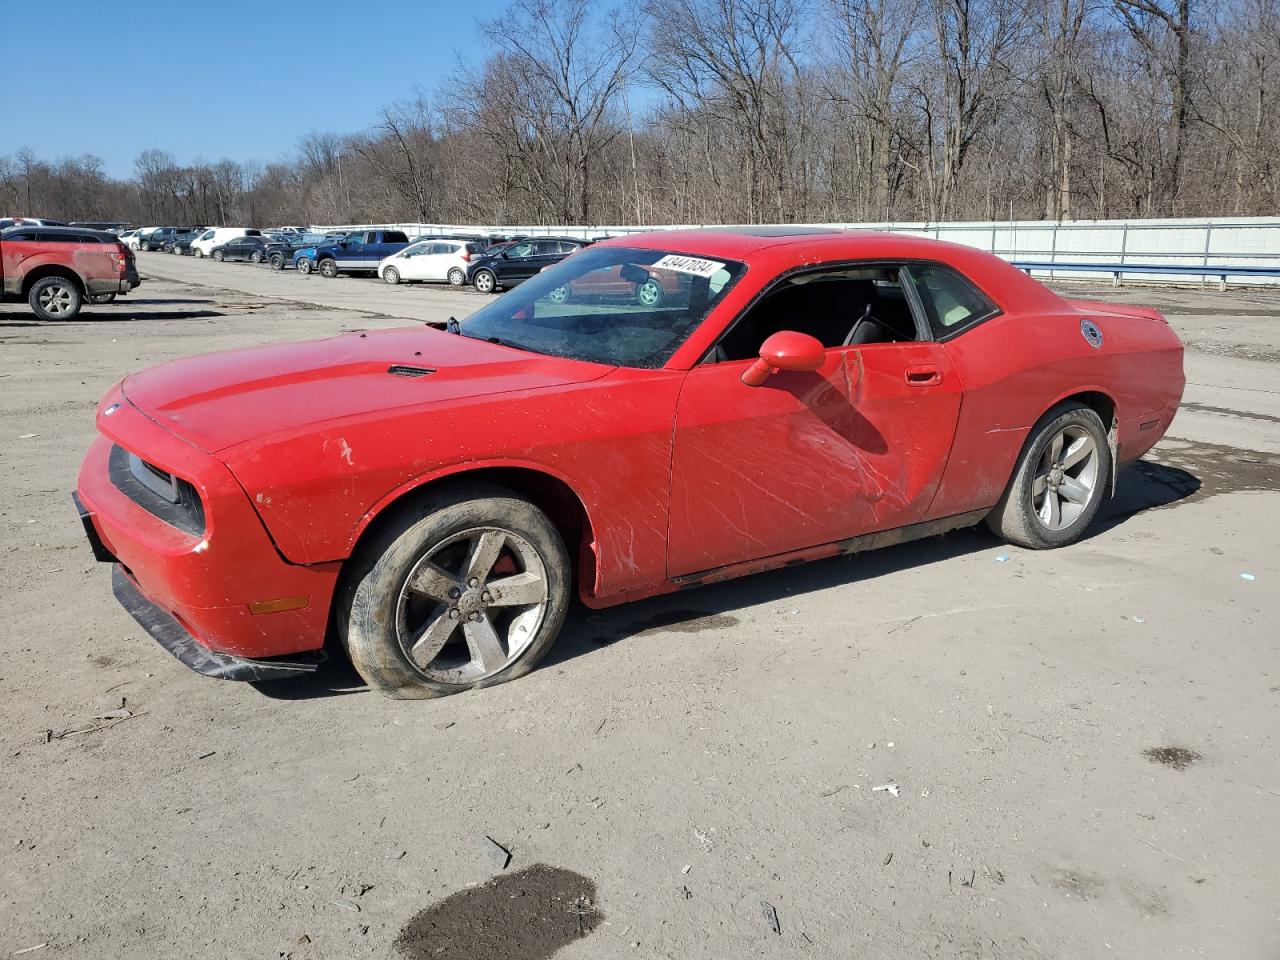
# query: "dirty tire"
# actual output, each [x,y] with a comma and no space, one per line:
[328,268]
[1015,518]
[369,598]
[484,281]
[457,277]
[304,266]
[54,298]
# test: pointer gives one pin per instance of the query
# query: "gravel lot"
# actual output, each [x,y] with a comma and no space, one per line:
[681,761]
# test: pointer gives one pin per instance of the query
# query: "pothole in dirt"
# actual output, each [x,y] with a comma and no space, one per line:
[527,915]
[1177,757]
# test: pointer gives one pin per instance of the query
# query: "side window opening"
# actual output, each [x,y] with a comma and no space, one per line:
[849,306]
[950,301]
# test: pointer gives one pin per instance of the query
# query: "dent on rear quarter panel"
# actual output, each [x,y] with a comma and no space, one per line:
[609,440]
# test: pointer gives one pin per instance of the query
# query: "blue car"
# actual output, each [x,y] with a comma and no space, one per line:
[357,252]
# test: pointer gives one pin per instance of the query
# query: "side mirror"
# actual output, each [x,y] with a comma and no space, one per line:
[785,350]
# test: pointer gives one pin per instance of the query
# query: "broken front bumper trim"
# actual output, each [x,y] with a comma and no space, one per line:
[174,637]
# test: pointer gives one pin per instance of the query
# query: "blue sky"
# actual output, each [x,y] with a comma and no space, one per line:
[209,80]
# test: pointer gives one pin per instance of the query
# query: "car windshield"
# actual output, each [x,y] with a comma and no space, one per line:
[616,305]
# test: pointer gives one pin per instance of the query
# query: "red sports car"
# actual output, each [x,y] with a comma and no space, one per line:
[432,495]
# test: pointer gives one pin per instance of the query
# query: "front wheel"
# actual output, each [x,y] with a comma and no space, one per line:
[199,254]
[391,275]
[54,298]
[457,277]
[277,261]
[1058,485]
[304,266]
[328,269]
[467,589]
[485,281]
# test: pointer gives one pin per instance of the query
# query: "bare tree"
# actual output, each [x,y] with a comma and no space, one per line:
[1162,30]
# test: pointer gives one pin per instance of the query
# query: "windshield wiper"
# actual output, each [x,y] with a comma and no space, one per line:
[506,343]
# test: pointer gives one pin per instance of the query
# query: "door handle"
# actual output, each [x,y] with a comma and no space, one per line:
[923,376]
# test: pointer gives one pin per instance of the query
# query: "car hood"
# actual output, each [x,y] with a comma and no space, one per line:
[218,400]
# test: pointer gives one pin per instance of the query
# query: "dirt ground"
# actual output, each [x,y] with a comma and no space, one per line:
[1084,741]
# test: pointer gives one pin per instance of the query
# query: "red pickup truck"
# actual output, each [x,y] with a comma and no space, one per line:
[57,269]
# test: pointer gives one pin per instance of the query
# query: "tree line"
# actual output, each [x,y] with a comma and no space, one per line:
[735,111]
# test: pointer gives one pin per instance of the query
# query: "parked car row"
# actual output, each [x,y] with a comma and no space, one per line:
[488,263]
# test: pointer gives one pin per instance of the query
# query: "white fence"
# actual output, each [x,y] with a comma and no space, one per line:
[1237,242]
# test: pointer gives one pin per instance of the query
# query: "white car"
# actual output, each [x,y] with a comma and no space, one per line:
[431,259]
[133,238]
[216,236]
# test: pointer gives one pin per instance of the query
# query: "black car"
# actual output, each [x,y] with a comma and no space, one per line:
[158,238]
[253,249]
[519,261]
[279,253]
[180,242]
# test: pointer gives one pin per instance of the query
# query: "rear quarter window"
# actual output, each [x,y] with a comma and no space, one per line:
[950,300]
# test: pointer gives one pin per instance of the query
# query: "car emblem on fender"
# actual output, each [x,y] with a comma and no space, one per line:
[1091,333]
[111,409]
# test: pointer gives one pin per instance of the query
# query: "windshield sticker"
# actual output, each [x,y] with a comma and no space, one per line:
[693,265]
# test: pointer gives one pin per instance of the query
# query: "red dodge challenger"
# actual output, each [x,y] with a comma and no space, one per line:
[432,495]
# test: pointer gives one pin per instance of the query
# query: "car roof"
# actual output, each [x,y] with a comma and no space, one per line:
[104,235]
[793,247]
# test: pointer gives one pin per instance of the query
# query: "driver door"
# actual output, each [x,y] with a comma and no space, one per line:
[808,459]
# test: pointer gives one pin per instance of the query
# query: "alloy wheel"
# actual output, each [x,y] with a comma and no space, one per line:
[649,293]
[57,300]
[1066,478]
[472,605]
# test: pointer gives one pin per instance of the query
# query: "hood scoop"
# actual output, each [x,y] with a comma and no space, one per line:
[402,370]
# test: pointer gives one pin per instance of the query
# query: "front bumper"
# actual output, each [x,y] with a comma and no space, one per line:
[201,581]
[190,652]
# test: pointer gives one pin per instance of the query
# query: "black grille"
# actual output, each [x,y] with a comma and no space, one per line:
[172,499]
[400,370]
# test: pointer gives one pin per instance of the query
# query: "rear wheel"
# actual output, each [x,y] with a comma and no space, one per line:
[328,268]
[465,590]
[485,281]
[391,275]
[55,298]
[255,257]
[277,261]
[219,256]
[457,277]
[649,293]
[1058,485]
